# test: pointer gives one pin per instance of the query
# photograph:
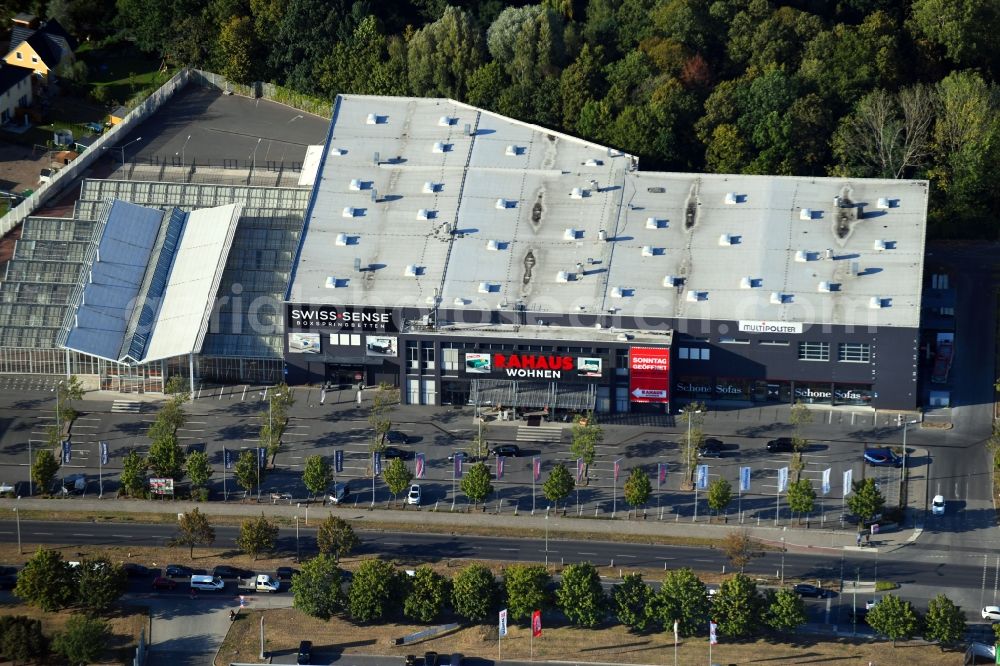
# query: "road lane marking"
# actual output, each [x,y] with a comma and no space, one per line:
[582,553]
[122,536]
[42,533]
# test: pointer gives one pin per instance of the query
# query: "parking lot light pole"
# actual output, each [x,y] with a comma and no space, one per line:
[690,416]
[902,470]
[298,557]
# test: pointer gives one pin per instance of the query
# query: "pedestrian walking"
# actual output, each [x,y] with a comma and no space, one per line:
[859,539]
[322,396]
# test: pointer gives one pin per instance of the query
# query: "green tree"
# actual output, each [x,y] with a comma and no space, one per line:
[374,591]
[236,49]
[720,495]
[865,501]
[586,436]
[801,497]
[397,476]
[193,529]
[633,601]
[199,470]
[944,622]
[559,484]
[476,483]
[427,596]
[380,415]
[737,607]
[528,42]
[581,82]
[257,535]
[693,418]
[46,581]
[442,55]
[165,458]
[336,537]
[318,590]
[83,639]
[894,618]
[800,416]
[637,488]
[67,393]
[964,29]
[317,475]
[485,85]
[21,638]
[479,447]
[740,548]
[43,469]
[133,476]
[99,583]
[682,598]
[783,610]
[274,419]
[176,384]
[474,593]
[248,472]
[526,589]
[580,595]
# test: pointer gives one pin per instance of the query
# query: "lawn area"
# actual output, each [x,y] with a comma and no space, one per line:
[120,70]
[126,624]
[284,628]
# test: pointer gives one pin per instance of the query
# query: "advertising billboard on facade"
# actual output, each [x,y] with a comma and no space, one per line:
[303,343]
[649,374]
[534,366]
[380,345]
[342,318]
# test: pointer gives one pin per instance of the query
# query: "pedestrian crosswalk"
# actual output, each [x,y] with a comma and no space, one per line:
[540,433]
[126,407]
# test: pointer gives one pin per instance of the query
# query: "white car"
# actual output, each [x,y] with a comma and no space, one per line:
[992,613]
[414,495]
[937,505]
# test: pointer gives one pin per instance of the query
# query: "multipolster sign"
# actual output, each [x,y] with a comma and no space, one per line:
[649,374]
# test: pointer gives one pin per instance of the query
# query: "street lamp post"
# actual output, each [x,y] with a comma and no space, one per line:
[17,515]
[902,470]
[298,557]
[184,147]
[782,559]
[253,159]
[126,145]
[690,417]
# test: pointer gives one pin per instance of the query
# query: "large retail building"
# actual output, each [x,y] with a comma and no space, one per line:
[468,258]
[471,258]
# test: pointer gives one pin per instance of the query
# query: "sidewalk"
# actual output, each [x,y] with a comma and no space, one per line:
[806,540]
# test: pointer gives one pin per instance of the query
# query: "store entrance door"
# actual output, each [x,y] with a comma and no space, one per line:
[344,376]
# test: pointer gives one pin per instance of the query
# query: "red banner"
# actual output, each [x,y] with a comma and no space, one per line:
[536,623]
[649,374]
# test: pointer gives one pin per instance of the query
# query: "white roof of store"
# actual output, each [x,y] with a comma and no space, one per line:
[182,319]
[437,202]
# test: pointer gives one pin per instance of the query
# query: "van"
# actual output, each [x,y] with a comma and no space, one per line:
[207,583]
[339,493]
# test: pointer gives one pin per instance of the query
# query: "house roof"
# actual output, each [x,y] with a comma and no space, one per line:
[10,75]
[51,42]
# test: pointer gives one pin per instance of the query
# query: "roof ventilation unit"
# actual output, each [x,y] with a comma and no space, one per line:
[336,283]
[883,203]
[806,214]
[460,302]
[854,268]
[357,264]
[750,283]
[492,245]
[725,239]
[824,287]
[655,223]
[648,251]
[486,287]
[432,188]
[669,281]
[349,211]
[441,147]
[562,276]
[412,270]
[777,298]
[732,198]
[876,303]
[593,162]
[502,203]
[572,234]
[512,151]
[801,256]
[424,214]
[828,253]
[577,193]
[372,119]
[617,292]
[355,185]
[341,240]
[338,151]
[624,337]
[695,296]
[879,246]
[376,158]
[447,121]
[602,235]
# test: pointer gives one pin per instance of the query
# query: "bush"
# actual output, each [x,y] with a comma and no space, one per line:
[885,585]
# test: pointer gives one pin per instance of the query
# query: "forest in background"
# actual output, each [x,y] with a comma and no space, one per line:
[875,88]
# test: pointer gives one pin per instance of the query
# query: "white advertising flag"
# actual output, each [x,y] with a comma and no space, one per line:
[782,479]
[503,622]
[848,478]
[826,481]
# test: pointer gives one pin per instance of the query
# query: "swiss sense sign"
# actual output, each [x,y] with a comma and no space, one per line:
[649,374]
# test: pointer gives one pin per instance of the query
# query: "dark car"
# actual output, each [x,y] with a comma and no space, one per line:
[711,448]
[285,573]
[181,571]
[8,581]
[137,570]
[161,583]
[196,448]
[466,457]
[397,437]
[508,450]
[883,458]
[226,571]
[858,616]
[391,452]
[807,590]
[430,658]
[410,660]
[305,653]
[781,445]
